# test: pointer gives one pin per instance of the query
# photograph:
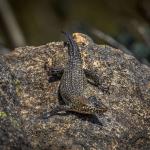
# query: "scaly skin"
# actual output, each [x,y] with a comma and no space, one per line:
[73,82]
[72,85]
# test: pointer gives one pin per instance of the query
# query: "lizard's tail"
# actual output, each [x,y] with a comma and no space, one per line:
[73,49]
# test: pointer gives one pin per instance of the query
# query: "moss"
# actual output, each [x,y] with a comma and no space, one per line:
[17,84]
[12,119]
[14,122]
[3,114]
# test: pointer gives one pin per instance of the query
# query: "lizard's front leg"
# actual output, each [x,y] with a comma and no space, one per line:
[54,74]
[100,107]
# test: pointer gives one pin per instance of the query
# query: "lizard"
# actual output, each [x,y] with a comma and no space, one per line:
[73,82]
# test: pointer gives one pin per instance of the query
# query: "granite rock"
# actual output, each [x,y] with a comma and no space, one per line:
[25,93]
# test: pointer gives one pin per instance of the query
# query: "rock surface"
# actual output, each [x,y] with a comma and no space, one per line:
[25,94]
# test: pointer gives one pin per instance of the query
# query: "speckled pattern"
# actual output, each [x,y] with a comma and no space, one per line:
[126,123]
[12,135]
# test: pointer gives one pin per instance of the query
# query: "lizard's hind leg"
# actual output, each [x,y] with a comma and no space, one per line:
[100,109]
[96,103]
[55,110]
[94,79]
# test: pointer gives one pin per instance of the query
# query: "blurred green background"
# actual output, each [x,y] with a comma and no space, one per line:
[36,22]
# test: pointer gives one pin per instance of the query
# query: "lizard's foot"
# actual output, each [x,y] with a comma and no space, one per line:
[54,74]
[96,103]
[101,120]
[93,118]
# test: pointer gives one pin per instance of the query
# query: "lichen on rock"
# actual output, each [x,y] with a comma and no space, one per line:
[25,94]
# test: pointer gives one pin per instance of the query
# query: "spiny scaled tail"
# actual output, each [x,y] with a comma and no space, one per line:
[73,49]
